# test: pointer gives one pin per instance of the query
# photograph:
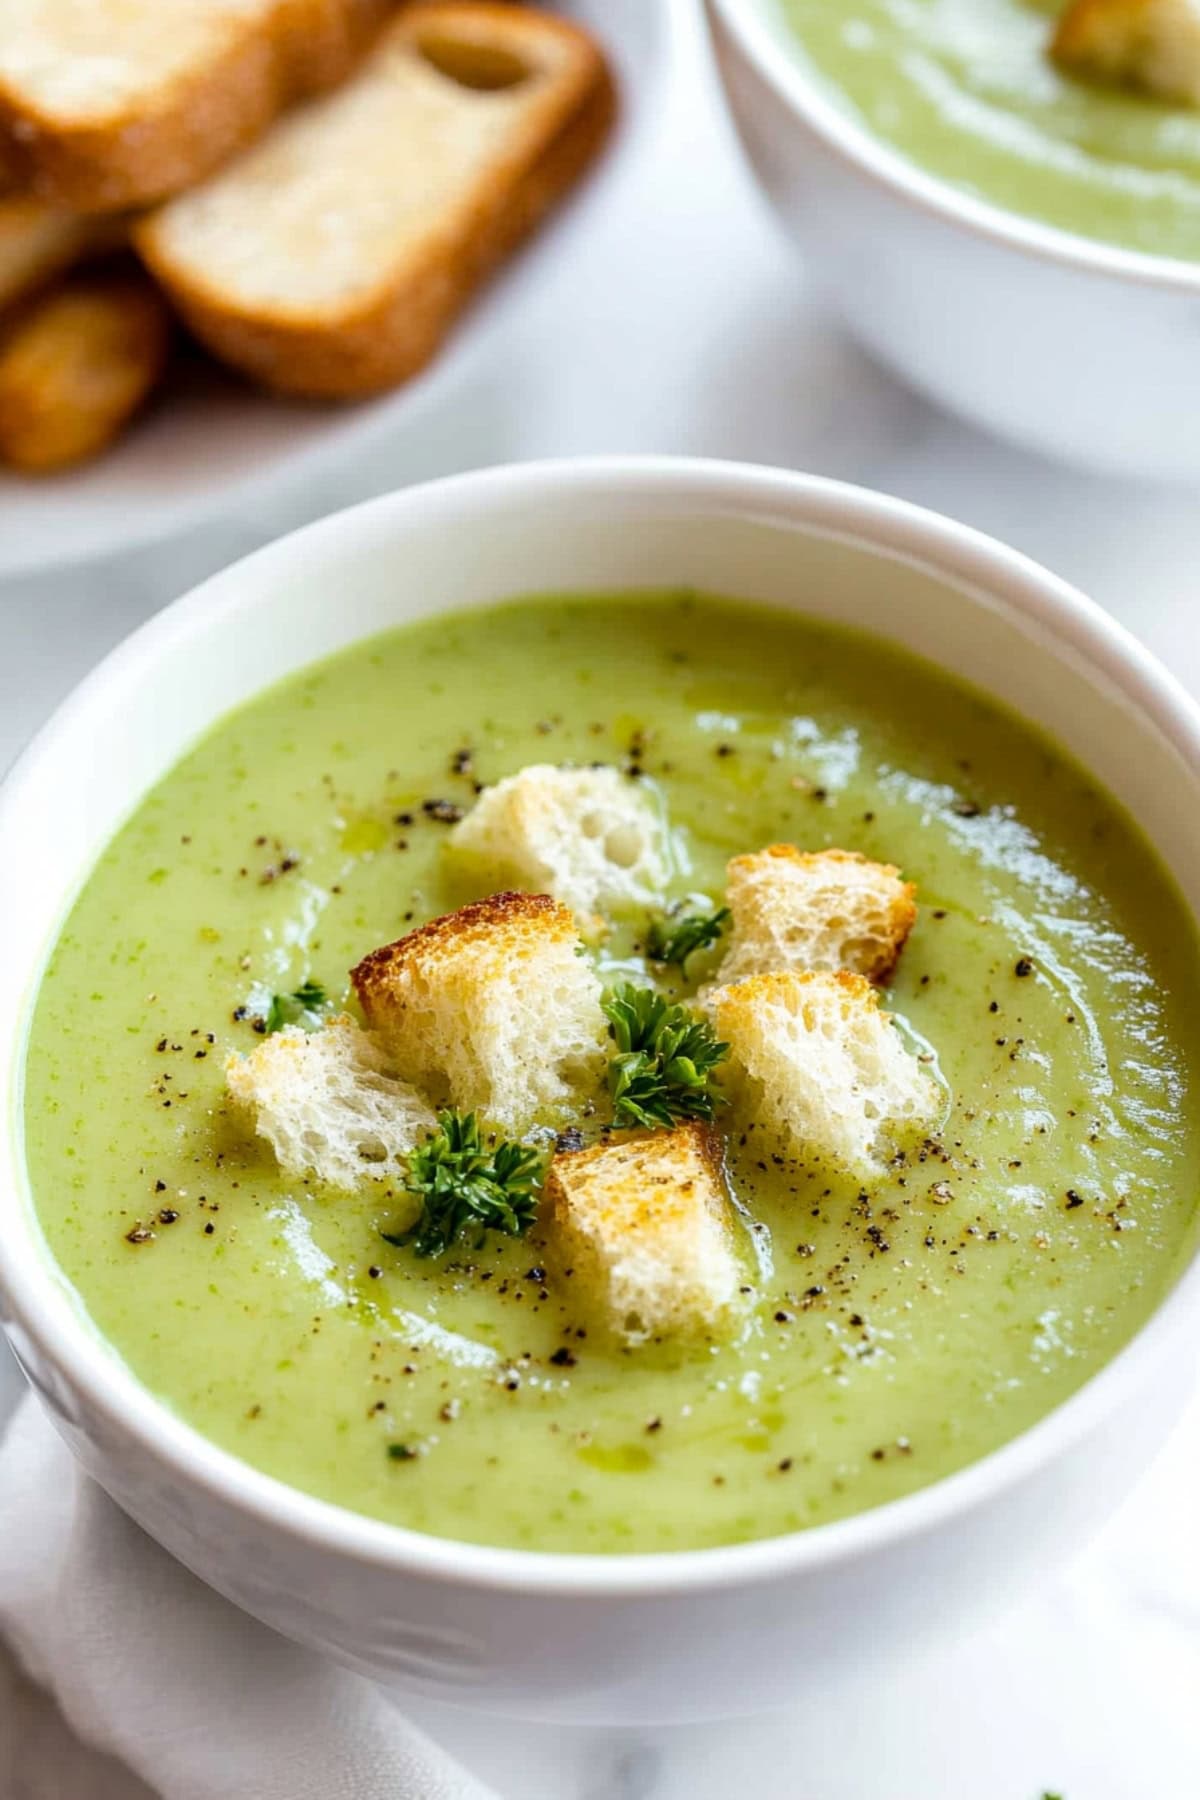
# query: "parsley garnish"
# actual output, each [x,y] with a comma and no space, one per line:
[462,1181]
[674,942]
[401,1452]
[291,1009]
[662,1071]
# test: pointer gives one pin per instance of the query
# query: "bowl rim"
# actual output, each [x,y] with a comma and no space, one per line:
[762,46]
[42,1305]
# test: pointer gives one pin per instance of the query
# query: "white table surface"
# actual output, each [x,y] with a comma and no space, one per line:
[682,323]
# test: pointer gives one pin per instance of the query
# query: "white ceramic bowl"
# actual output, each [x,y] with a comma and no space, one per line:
[590,1638]
[1069,346]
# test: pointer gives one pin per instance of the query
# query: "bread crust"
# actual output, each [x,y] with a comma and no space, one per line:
[741,999]
[661,1151]
[500,919]
[195,121]
[393,331]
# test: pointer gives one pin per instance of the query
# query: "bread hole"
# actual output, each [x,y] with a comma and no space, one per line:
[487,68]
[372,1150]
[623,846]
[591,825]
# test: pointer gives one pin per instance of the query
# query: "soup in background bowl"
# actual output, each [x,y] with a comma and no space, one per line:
[443,1467]
[970,91]
[1017,243]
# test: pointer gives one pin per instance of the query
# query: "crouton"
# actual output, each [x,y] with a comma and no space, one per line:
[824,1070]
[1153,45]
[645,1225]
[329,1102]
[493,1008]
[593,838]
[819,910]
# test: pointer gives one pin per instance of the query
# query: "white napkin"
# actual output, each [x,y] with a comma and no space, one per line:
[152,1666]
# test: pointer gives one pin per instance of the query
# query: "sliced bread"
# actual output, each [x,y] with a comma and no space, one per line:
[331,259]
[105,106]
[76,364]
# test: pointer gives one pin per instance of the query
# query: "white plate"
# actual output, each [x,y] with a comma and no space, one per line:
[215,439]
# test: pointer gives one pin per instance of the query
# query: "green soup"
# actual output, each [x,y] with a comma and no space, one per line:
[896,1332]
[966,89]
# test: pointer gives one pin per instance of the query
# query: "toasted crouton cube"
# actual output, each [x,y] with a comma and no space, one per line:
[1149,44]
[329,1101]
[493,1008]
[824,1069]
[820,910]
[645,1225]
[593,838]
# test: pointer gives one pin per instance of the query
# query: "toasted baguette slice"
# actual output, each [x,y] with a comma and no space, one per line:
[491,1008]
[1149,44]
[590,837]
[38,242]
[822,910]
[645,1227]
[328,1102]
[105,106]
[825,1072]
[332,258]
[76,364]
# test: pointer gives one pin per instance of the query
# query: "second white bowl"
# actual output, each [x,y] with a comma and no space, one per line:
[1072,347]
[590,1638]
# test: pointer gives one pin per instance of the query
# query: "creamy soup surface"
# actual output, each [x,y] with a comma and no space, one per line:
[897,1330]
[966,89]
